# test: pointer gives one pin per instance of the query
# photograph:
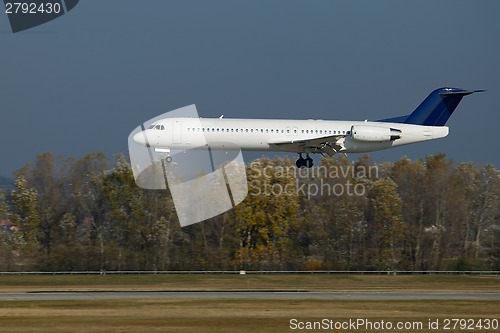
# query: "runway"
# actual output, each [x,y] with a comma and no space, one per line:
[272,295]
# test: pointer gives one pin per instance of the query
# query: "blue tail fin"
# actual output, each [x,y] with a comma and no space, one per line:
[436,109]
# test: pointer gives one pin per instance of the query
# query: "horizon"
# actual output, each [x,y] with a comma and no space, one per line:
[7,180]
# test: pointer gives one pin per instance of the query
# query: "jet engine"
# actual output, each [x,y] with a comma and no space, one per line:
[374,133]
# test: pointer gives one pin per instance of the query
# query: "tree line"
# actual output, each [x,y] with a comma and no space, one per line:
[67,214]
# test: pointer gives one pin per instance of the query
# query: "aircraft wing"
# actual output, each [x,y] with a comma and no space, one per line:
[329,145]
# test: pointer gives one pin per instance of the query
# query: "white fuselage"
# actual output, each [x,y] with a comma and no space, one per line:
[276,134]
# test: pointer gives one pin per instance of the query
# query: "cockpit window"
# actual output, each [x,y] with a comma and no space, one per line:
[151,126]
[160,127]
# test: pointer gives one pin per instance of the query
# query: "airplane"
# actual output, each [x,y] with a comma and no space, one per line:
[305,137]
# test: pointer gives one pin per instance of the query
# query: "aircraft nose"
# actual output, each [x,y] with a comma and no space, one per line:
[140,138]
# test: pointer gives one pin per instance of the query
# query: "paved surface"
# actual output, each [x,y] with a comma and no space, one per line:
[294,295]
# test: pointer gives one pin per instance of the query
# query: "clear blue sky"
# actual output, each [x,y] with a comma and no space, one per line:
[82,82]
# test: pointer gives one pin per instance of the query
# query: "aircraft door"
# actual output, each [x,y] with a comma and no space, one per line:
[176,131]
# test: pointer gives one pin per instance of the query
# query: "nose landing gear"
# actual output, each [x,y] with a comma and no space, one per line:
[304,162]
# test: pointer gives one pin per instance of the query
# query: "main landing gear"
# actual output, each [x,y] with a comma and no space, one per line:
[304,162]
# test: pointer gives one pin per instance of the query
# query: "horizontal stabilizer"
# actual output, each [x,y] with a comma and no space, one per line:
[460,92]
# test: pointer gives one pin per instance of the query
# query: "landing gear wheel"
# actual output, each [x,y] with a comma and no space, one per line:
[301,162]
[309,163]
[168,159]
[304,162]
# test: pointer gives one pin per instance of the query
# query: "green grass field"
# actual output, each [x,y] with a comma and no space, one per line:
[209,315]
[309,282]
[223,315]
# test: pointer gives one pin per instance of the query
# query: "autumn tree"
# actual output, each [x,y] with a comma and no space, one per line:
[385,225]
[89,214]
[439,223]
[336,217]
[11,239]
[478,196]
[409,177]
[25,217]
[267,220]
